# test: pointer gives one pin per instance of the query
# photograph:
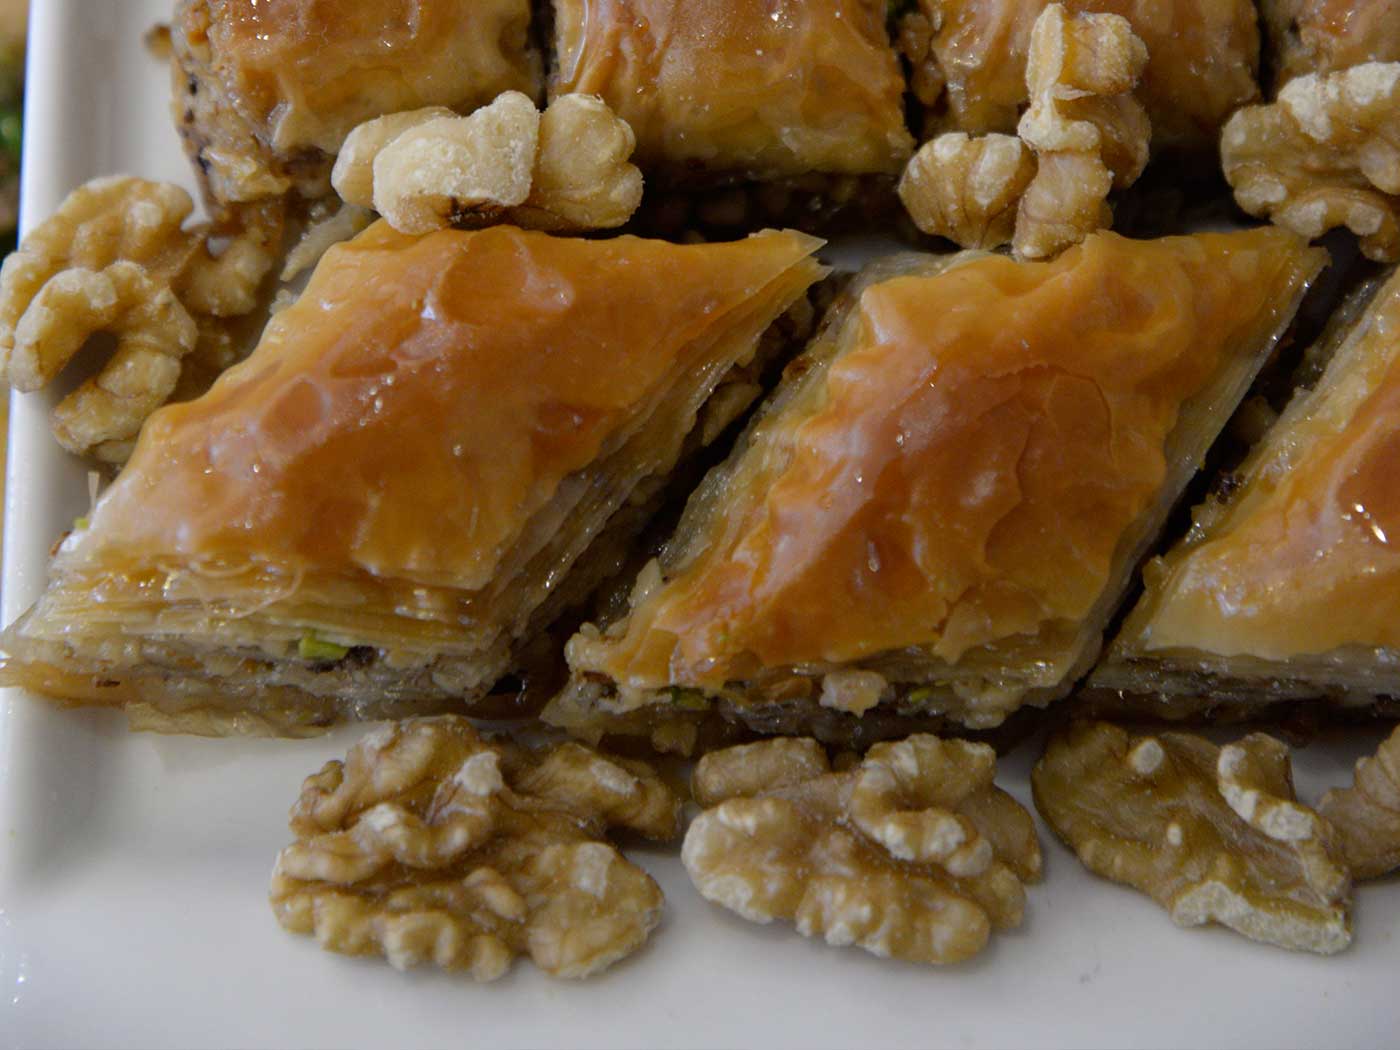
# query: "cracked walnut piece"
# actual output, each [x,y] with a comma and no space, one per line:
[912,853]
[1326,154]
[1212,834]
[967,189]
[1366,815]
[564,170]
[432,844]
[1088,131]
[117,258]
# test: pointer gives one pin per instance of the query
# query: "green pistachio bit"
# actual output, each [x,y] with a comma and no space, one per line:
[690,699]
[11,133]
[313,648]
[79,524]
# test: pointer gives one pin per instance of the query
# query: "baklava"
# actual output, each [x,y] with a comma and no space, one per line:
[1285,587]
[940,507]
[435,450]
[736,89]
[1324,36]
[265,91]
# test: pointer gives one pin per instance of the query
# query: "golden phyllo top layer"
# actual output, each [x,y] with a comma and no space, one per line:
[1307,557]
[425,396]
[783,88]
[304,72]
[969,465]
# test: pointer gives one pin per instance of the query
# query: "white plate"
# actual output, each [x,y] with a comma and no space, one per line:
[133,868]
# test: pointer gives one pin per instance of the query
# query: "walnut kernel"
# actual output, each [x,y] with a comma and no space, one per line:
[117,257]
[1366,815]
[912,853]
[564,170]
[967,189]
[1088,131]
[432,844]
[1212,834]
[1326,154]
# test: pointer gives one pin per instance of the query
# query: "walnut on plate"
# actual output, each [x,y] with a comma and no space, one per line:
[911,853]
[1366,815]
[432,844]
[1212,834]
[1326,154]
[117,258]
[567,169]
[1083,134]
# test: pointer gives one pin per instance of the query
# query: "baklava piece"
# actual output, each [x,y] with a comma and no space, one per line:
[1287,586]
[1324,36]
[372,513]
[733,91]
[941,506]
[968,62]
[265,91]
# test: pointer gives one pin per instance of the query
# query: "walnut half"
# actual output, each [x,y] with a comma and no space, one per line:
[1212,834]
[1083,134]
[567,169]
[432,844]
[1367,814]
[913,853]
[1326,154]
[118,258]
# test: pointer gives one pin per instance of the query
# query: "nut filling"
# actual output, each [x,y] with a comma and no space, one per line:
[912,854]
[432,844]
[1212,834]
[1367,814]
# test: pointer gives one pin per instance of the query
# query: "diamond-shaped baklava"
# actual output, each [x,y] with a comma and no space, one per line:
[435,450]
[941,506]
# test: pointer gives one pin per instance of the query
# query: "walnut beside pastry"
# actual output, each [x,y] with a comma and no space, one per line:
[117,257]
[1212,834]
[912,854]
[430,844]
[1325,155]
[565,170]
[1083,134]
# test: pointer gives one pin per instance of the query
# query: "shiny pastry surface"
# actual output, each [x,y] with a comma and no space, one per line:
[424,397]
[781,88]
[1306,557]
[969,465]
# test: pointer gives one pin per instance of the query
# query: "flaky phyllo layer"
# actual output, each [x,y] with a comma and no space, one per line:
[442,444]
[1286,588]
[943,504]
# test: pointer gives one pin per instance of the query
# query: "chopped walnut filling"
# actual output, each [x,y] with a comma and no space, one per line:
[910,853]
[1326,154]
[1083,134]
[1366,815]
[1212,834]
[430,844]
[117,258]
[567,169]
